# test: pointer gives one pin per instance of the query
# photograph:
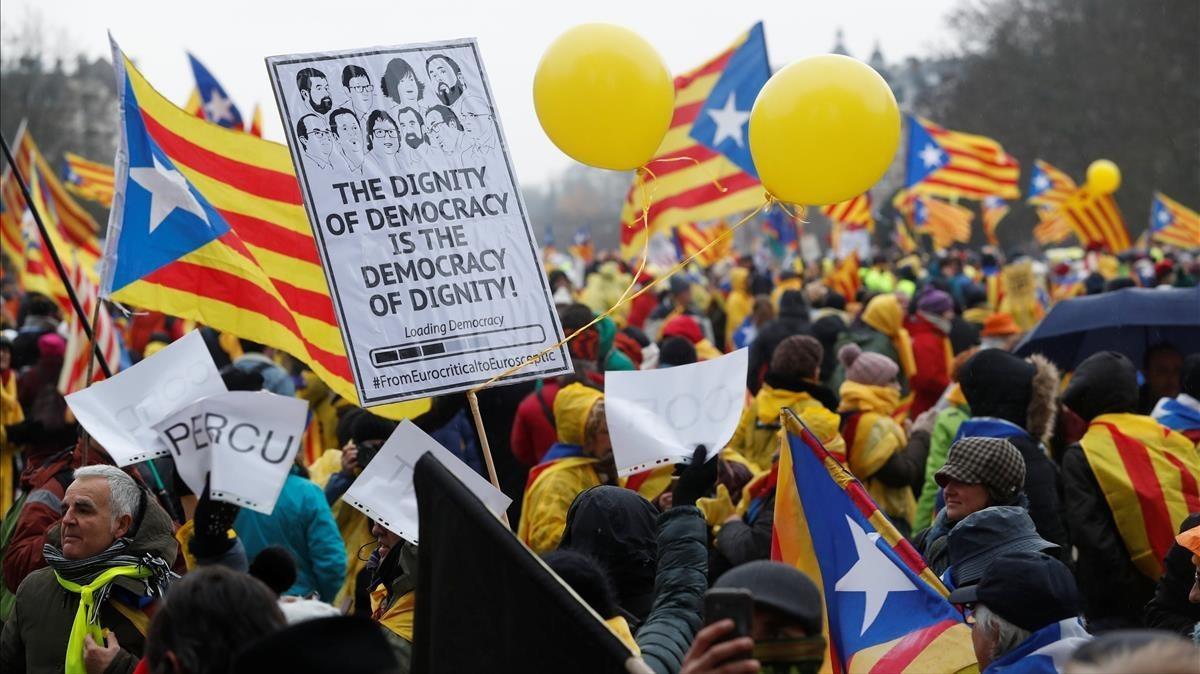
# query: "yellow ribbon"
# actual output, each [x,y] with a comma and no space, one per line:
[87,617]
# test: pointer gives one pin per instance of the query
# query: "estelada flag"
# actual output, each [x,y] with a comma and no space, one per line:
[1049,186]
[88,179]
[885,610]
[475,578]
[954,164]
[1173,223]
[993,210]
[214,102]
[703,169]
[207,224]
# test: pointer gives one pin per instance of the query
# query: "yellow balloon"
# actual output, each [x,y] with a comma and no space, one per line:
[1103,176]
[823,129]
[604,96]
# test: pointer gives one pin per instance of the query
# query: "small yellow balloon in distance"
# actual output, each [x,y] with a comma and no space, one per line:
[1103,176]
[604,96]
[823,129]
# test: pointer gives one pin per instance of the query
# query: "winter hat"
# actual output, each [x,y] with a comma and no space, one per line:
[993,462]
[1000,325]
[998,384]
[984,535]
[572,407]
[1028,589]
[797,356]
[51,345]
[868,368]
[1104,383]
[676,351]
[935,301]
[683,326]
[1189,379]
[780,587]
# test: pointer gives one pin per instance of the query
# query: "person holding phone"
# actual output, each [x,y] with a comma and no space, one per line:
[763,616]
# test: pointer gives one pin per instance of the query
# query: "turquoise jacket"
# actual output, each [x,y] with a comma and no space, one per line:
[303,524]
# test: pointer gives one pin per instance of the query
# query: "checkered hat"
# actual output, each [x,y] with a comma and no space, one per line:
[993,462]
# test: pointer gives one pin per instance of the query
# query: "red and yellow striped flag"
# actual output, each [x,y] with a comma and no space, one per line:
[88,179]
[844,278]
[1096,220]
[953,164]
[902,237]
[993,210]
[22,244]
[1052,226]
[1149,475]
[703,184]
[690,239]
[62,215]
[1173,223]
[850,215]
[73,376]
[249,267]
[1049,186]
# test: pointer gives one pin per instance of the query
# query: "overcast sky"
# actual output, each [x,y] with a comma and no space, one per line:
[233,37]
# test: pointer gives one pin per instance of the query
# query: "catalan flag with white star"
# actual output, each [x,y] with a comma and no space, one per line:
[1173,223]
[887,611]
[88,179]
[953,164]
[993,209]
[209,226]
[703,170]
[1049,186]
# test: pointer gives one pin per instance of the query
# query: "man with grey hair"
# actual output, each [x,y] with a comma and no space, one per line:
[109,560]
[1026,610]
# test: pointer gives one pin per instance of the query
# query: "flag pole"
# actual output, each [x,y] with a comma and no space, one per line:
[58,265]
[485,448]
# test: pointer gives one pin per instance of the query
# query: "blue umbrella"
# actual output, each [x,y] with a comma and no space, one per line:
[1127,321]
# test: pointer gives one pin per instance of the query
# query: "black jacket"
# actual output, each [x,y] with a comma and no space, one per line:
[740,541]
[1170,608]
[1114,592]
[792,320]
[679,587]
[1042,487]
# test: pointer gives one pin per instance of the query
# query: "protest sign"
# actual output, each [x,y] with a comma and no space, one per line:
[384,490]
[120,412]
[421,228]
[245,441]
[659,416]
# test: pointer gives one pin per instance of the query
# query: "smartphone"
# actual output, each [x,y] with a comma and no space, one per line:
[367,451]
[733,603]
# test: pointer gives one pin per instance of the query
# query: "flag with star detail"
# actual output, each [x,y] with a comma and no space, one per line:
[885,610]
[209,225]
[954,164]
[1173,223]
[214,102]
[703,170]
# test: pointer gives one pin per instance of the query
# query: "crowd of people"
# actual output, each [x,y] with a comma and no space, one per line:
[1059,505]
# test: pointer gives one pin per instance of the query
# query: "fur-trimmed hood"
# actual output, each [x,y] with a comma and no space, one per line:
[1043,404]
[999,384]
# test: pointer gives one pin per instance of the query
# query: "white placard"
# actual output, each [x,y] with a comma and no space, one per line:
[424,237]
[659,416]
[120,412]
[384,490]
[245,441]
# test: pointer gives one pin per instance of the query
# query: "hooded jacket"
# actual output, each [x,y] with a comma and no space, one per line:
[679,585]
[880,329]
[36,634]
[740,303]
[757,431]
[1014,399]
[1114,590]
[533,430]
[933,357]
[618,528]
[792,320]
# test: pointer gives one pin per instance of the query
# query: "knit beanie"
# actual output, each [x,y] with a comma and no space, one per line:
[797,356]
[868,368]
[935,301]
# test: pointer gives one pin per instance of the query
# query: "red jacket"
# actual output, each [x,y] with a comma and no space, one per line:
[45,481]
[931,352]
[533,429]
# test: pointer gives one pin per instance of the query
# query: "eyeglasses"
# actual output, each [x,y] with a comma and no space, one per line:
[364,89]
[319,133]
[385,133]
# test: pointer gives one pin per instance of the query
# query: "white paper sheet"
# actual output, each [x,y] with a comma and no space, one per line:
[247,440]
[660,416]
[120,412]
[384,490]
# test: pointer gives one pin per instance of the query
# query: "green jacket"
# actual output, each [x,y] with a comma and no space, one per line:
[869,340]
[35,636]
[944,430]
[679,585]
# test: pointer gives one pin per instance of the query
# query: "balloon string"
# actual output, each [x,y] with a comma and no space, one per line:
[770,200]
[716,181]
